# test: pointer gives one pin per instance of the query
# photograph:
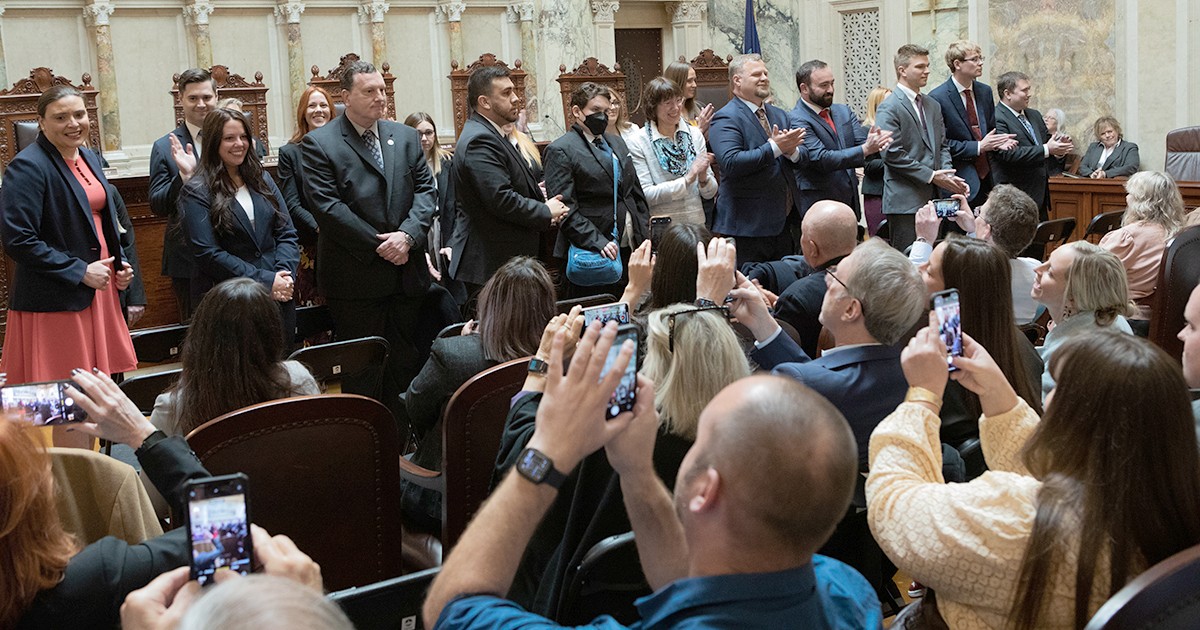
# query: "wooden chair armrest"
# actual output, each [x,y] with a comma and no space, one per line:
[423,477]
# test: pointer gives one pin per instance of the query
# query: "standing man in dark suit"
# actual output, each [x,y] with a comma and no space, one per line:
[373,197]
[834,138]
[580,171]
[198,96]
[970,116]
[501,209]
[917,163]
[1024,165]
[758,152]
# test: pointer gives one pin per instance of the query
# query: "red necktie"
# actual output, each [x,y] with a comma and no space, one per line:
[828,119]
[981,162]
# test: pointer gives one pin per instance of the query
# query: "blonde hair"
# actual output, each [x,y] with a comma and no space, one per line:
[526,146]
[231,103]
[1154,198]
[1096,281]
[707,357]
[874,100]
[958,51]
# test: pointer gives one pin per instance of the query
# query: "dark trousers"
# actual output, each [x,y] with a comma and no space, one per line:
[903,230]
[182,287]
[768,248]
[395,318]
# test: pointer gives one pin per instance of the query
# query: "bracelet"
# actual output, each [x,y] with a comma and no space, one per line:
[920,394]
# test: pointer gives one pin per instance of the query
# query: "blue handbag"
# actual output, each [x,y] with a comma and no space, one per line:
[587,268]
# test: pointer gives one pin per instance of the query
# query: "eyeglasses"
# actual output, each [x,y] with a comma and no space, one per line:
[724,310]
[978,59]
[831,271]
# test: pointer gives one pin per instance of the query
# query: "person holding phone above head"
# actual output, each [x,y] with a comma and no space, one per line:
[315,108]
[1111,155]
[60,226]
[235,218]
[671,157]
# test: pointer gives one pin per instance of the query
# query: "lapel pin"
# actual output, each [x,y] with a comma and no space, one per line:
[391,142]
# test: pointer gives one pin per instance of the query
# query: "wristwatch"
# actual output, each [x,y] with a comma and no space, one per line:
[152,439]
[920,239]
[536,467]
[408,238]
[538,366]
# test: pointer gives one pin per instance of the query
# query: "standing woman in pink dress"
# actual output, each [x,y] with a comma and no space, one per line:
[60,227]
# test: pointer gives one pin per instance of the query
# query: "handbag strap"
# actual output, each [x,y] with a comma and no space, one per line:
[616,182]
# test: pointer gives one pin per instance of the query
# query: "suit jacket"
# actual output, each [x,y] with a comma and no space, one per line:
[135,295]
[865,383]
[832,156]
[353,200]
[291,184]
[1024,165]
[752,200]
[913,156]
[583,175]
[800,305]
[47,228]
[1123,162]
[964,148]
[447,206]
[256,252]
[165,185]
[500,208]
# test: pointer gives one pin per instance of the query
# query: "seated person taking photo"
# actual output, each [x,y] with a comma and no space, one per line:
[769,475]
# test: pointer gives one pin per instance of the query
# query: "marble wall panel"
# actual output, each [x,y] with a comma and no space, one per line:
[566,37]
[248,41]
[26,37]
[486,30]
[779,33]
[421,83]
[145,66]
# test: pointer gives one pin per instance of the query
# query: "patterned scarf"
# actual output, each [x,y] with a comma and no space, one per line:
[674,156]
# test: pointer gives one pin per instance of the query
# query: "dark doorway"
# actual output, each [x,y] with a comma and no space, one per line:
[639,51]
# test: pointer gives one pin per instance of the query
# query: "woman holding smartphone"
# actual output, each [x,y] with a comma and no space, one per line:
[234,217]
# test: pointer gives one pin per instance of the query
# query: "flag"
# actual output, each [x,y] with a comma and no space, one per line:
[750,39]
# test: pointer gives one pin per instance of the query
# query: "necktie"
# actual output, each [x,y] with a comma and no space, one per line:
[981,162]
[920,103]
[601,144]
[762,120]
[828,119]
[1028,127]
[196,146]
[373,147]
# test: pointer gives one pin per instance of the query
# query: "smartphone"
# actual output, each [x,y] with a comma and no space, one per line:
[219,526]
[946,208]
[617,311]
[945,304]
[626,392]
[41,404]
[658,227]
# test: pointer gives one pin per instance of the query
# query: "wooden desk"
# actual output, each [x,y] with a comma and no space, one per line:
[1085,198]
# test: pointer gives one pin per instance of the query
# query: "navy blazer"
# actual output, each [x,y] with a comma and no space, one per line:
[865,384]
[1123,162]
[832,157]
[48,230]
[256,252]
[291,184]
[754,183]
[964,148]
[165,185]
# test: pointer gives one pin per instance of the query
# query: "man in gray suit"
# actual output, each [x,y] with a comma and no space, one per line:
[917,163]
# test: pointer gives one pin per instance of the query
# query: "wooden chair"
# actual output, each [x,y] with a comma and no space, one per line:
[565,306]
[387,605]
[712,78]
[143,389]
[332,80]
[1050,234]
[231,85]
[160,344]
[1178,274]
[458,85]
[322,471]
[360,360]
[472,426]
[1104,223]
[590,71]
[608,580]
[18,109]
[1165,597]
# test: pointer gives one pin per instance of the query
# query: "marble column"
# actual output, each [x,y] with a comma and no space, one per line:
[451,13]
[372,12]
[688,23]
[3,64]
[96,15]
[287,14]
[522,13]
[196,16]
[603,23]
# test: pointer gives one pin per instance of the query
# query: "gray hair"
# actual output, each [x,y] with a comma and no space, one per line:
[1057,114]
[890,288]
[264,602]
[739,62]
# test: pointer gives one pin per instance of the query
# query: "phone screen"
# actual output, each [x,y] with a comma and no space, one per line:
[617,311]
[945,208]
[658,227]
[945,304]
[41,404]
[626,392]
[219,526]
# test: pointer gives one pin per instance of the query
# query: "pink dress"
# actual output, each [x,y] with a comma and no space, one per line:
[47,346]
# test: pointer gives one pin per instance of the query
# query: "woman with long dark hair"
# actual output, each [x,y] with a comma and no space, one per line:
[981,274]
[1075,505]
[232,358]
[235,217]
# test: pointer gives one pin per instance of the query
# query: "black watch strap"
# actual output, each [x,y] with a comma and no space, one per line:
[533,465]
[152,439]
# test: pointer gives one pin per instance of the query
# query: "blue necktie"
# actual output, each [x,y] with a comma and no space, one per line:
[373,146]
[1028,127]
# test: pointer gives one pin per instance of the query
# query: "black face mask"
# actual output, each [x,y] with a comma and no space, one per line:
[596,123]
